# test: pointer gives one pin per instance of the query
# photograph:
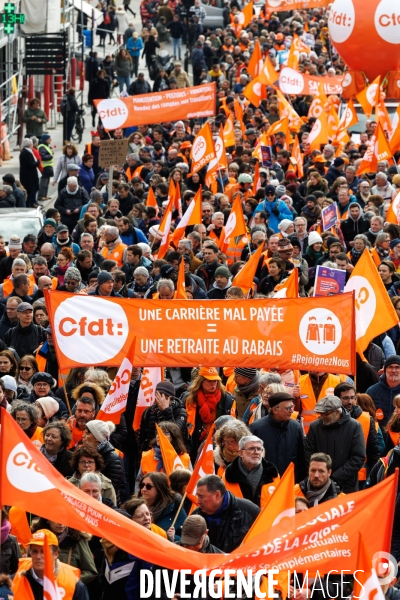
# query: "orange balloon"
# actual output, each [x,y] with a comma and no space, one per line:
[366,34]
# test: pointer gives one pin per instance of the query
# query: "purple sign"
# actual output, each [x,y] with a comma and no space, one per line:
[329,282]
[329,217]
[266,156]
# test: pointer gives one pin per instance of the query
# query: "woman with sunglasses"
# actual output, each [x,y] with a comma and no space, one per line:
[162,503]
[152,459]
[64,261]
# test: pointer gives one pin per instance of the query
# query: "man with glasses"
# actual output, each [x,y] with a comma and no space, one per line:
[9,318]
[84,412]
[335,433]
[249,475]
[318,487]
[72,281]
[282,435]
[228,518]
[207,211]
[363,193]
[383,392]
[347,394]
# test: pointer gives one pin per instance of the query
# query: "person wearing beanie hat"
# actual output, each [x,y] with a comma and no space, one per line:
[165,408]
[335,170]
[221,284]
[383,392]
[247,388]
[72,281]
[250,472]
[48,407]
[276,209]
[314,238]
[280,190]
[286,227]
[280,425]
[311,211]
[18,194]
[104,287]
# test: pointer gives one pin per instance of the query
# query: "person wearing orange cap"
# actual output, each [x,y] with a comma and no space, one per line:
[184,151]
[28,581]
[207,400]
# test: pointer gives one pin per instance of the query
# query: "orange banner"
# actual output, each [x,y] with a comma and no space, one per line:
[324,537]
[293,333]
[294,82]
[144,109]
[278,5]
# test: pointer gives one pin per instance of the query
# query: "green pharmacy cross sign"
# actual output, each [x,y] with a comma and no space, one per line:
[9,18]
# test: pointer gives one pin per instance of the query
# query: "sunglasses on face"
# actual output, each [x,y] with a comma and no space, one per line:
[25,368]
[146,485]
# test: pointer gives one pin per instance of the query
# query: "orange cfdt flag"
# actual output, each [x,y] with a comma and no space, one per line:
[247,11]
[192,216]
[170,458]
[203,150]
[256,62]
[369,97]
[50,589]
[245,278]
[151,199]
[235,225]
[165,229]
[374,311]
[319,133]
[204,466]
[148,382]
[393,213]
[229,132]
[366,584]
[290,288]
[180,293]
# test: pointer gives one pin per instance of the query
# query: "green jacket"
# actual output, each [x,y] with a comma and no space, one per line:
[34,127]
[78,554]
[107,488]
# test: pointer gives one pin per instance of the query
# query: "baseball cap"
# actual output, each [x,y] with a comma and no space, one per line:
[61,228]
[192,529]
[209,373]
[39,536]
[24,306]
[9,383]
[328,404]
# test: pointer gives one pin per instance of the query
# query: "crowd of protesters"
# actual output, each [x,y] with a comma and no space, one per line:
[102,238]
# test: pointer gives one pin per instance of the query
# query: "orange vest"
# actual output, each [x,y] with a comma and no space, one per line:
[234,251]
[116,254]
[37,438]
[19,525]
[8,286]
[66,581]
[266,490]
[394,436]
[365,422]
[219,241]
[375,256]
[308,400]
[148,464]
[191,418]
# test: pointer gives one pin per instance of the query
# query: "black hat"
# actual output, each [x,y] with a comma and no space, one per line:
[104,276]
[311,198]
[10,179]
[44,377]
[392,360]
[295,242]
[278,397]
[166,270]
[165,387]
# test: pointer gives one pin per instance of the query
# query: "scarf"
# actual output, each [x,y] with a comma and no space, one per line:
[112,245]
[62,535]
[49,457]
[5,530]
[251,389]
[70,193]
[215,519]
[207,404]
[355,254]
[228,456]
[314,496]
[158,457]
[253,476]
[383,254]
[26,383]
[30,431]
[373,232]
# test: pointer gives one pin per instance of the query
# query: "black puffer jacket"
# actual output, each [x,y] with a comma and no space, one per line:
[175,413]
[25,340]
[228,530]
[233,474]
[344,442]
[113,469]
[62,463]
[67,201]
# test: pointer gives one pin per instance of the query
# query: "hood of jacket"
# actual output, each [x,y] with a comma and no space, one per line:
[360,214]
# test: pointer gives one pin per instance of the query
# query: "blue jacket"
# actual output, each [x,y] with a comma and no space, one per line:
[274,219]
[133,236]
[383,395]
[87,178]
[167,516]
[134,47]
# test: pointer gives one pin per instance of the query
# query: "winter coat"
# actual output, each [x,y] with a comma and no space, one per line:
[276,211]
[206,272]
[62,462]
[383,395]
[9,555]
[28,173]
[34,127]
[198,61]
[107,488]
[343,441]
[25,340]
[236,518]
[176,29]
[332,492]
[372,446]
[113,469]
[283,443]
[350,227]
[233,474]
[5,325]
[174,413]
[87,178]
[138,87]
[61,168]
[167,516]
[7,201]
[134,46]
[77,554]
[99,88]
[67,201]
[123,67]
[133,236]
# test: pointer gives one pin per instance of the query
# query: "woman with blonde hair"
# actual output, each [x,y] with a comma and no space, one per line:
[100,377]
[69,156]
[227,443]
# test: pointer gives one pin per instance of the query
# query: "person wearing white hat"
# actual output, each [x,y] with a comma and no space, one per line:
[97,435]
[286,227]
[48,407]
[313,253]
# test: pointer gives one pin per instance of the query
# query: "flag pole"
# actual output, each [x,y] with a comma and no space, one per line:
[179,510]
[67,400]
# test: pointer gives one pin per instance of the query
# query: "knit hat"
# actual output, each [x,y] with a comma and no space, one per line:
[314,238]
[249,373]
[392,360]
[295,242]
[280,190]
[269,189]
[331,239]
[14,243]
[154,232]
[45,137]
[94,194]
[9,178]
[394,243]
[73,167]
[165,387]
[327,404]
[49,405]
[166,271]
[290,176]
[222,271]
[209,373]
[104,276]
[44,377]
[285,224]
[93,275]
[311,198]
[51,222]
[72,273]
[278,397]
[284,243]
[338,162]
[9,383]
[101,430]
[192,529]
[292,188]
